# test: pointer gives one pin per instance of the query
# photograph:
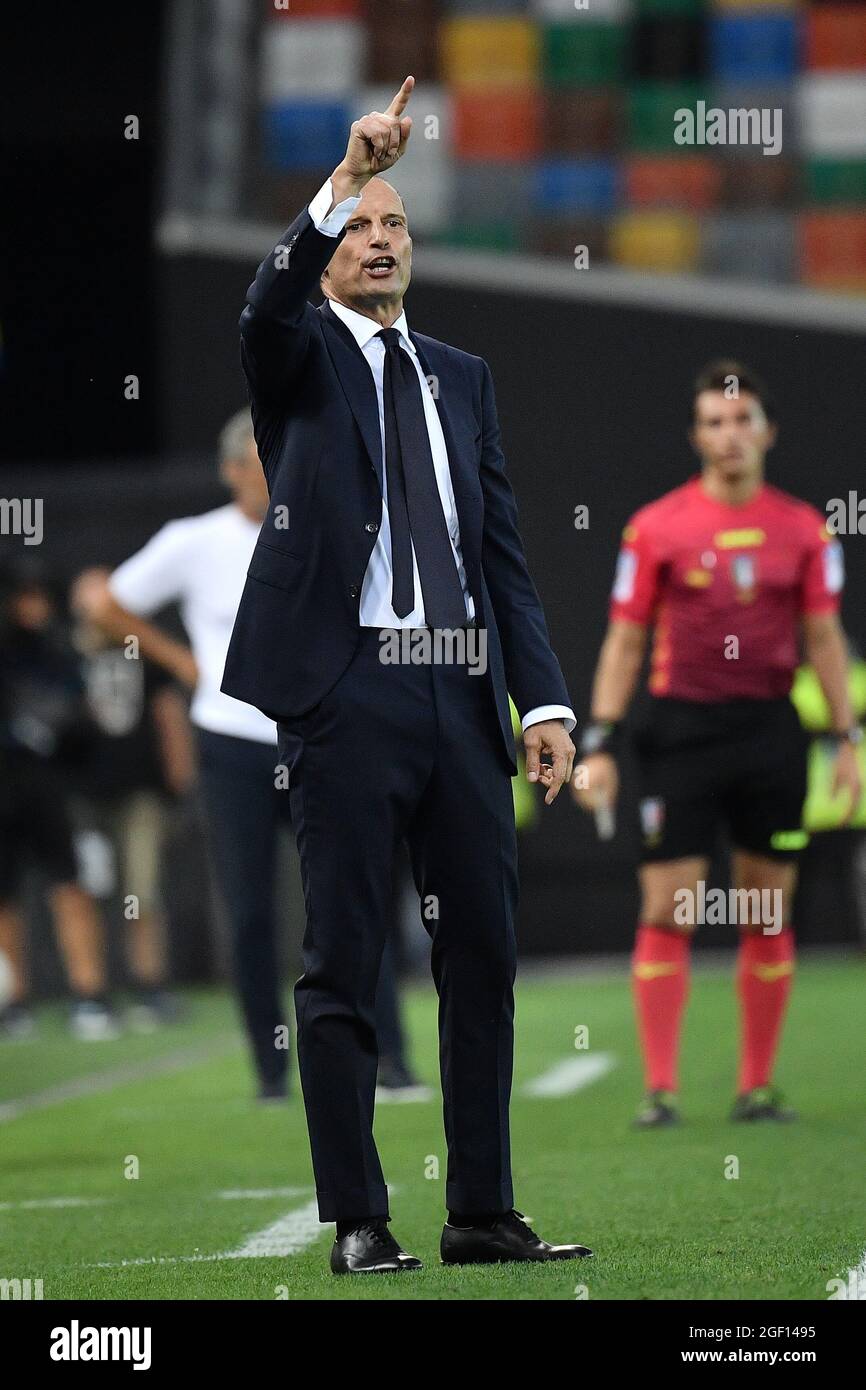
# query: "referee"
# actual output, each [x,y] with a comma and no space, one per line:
[728,572]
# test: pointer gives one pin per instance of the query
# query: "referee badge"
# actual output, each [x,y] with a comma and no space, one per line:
[626,570]
[834,568]
[652,819]
[744,575]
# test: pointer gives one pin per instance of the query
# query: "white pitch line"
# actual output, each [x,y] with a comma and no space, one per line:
[288,1235]
[572,1074]
[37,1203]
[152,1260]
[96,1083]
[406,1095]
[242,1194]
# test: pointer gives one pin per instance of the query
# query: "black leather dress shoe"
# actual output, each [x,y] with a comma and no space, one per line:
[507,1238]
[371,1249]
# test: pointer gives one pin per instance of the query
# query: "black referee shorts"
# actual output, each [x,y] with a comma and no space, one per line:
[737,764]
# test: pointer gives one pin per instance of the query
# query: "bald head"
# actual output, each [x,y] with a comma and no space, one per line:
[378,183]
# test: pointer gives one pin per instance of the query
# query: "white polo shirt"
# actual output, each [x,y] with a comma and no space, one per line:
[200,563]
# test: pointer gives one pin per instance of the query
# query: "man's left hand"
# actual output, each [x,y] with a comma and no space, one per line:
[549,737]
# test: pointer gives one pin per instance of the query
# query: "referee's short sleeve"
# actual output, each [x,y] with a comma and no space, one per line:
[635,586]
[823,569]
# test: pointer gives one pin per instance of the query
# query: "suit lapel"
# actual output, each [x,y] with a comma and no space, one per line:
[356,379]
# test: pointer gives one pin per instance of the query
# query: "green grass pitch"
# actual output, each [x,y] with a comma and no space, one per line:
[663,1218]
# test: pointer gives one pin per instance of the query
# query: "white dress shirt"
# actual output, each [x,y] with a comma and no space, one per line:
[376,609]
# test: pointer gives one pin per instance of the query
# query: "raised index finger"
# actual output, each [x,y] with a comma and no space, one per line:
[398,105]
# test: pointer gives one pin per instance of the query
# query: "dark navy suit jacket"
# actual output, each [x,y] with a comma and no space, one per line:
[316,424]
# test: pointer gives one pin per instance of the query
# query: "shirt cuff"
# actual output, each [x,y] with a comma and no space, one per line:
[542,712]
[330,223]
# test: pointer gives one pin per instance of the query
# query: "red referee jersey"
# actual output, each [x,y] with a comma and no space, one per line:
[725,588]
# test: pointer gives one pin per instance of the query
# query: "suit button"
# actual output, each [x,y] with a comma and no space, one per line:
[372,527]
[354,591]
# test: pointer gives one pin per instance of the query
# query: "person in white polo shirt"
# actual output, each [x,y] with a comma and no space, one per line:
[200,564]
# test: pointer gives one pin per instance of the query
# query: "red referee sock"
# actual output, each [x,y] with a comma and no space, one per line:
[660,977]
[765,966]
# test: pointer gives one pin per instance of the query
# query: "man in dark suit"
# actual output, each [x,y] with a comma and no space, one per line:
[391,516]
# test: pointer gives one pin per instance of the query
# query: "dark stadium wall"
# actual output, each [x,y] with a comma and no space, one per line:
[593,402]
[76,244]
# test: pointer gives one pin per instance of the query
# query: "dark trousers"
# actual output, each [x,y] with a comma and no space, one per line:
[408,752]
[244,812]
